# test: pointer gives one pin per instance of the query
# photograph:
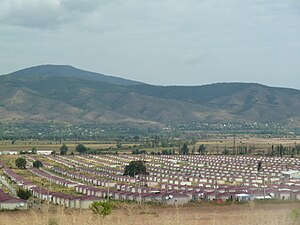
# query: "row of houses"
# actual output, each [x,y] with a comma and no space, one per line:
[39,152]
[58,198]
[98,171]
[85,178]
[8,202]
[92,193]
[67,200]
[169,198]
[52,178]
[206,181]
[280,174]
[18,179]
[208,168]
[207,189]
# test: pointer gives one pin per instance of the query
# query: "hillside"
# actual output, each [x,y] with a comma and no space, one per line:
[69,95]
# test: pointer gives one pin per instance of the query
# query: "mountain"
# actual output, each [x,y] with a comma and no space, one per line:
[68,95]
[71,72]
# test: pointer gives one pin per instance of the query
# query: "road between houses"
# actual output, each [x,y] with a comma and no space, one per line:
[10,187]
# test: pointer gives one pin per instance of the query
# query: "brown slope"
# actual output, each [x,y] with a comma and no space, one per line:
[70,99]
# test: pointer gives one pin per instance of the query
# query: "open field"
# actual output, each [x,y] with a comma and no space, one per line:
[52,145]
[133,214]
[213,146]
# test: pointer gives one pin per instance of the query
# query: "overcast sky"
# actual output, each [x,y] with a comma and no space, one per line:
[166,42]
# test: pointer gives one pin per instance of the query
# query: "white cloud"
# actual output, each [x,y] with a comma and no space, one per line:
[30,13]
[150,39]
[81,5]
[45,13]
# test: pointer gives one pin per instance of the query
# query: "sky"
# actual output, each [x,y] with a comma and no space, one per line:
[163,42]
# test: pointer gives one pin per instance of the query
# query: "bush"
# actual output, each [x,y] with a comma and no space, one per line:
[81,149]
[23,194]
[52,221]
[102,208]
[225,152]
[21,163]
[294,216]
[37,164]
[63,149]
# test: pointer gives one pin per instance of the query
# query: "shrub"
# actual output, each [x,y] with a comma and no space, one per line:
[52,221]
[37,164]
[21,163]
[63,149]
[102,208]
[23,194]
[294,216]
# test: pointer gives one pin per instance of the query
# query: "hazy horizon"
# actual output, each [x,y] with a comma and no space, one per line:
[119,76]
[161,42]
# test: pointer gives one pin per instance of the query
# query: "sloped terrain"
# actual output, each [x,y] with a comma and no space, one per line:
[68,95]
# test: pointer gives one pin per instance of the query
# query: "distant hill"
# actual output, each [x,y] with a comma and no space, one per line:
[69,95]
[69,71]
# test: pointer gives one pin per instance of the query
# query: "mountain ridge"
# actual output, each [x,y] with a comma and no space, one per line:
[68,95]
[70,71]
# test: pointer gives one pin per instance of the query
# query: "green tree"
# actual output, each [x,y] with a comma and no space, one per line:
[136,138]
[81,149]
[166,152]
[53,152]
[259,166]
[297,147]
[137,151]
[272,151]
[135,168]
[34,150]
[293,152]
[226,151]
[184,149]
[281,152]
[37,164]
[201,149]
[21,163]
[23,194]
[119,145]
[63,149]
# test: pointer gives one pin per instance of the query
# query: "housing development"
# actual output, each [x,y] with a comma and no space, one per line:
[171,179]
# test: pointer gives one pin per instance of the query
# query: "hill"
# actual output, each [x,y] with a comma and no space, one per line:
[68,95]
[71,72]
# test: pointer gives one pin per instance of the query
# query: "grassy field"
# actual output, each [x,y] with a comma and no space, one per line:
[52,145]
[134,214]
[213,146]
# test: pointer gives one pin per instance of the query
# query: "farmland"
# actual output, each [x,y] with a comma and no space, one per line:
[214,145]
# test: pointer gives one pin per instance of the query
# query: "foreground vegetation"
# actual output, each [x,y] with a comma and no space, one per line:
[199,214]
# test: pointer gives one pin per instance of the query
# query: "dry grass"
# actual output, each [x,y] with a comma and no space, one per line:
[53,145]
[250,214]
[211,144]
[214,146]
